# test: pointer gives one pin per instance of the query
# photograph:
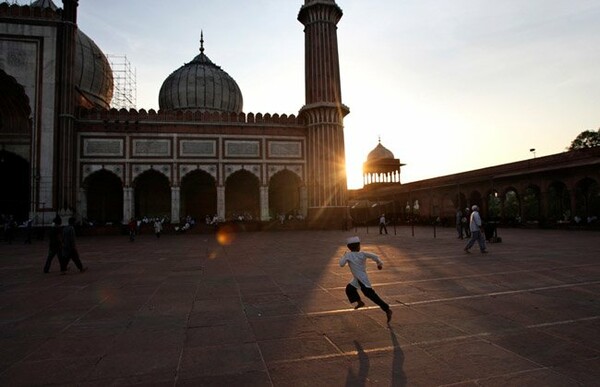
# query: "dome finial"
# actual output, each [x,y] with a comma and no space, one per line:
[201,42]
[379,138]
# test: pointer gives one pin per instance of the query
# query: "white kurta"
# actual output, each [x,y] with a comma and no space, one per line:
[357,260]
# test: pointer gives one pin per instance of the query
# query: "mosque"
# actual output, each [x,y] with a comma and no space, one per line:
[65,150]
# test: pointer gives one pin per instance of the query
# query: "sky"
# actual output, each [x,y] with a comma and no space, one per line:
[448,86]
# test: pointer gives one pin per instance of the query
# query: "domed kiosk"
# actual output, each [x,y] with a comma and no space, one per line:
[200,85]
[381,167]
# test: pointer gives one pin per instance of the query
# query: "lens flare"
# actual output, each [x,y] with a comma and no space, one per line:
[225,235]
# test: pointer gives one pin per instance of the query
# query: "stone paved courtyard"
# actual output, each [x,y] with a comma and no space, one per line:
[269,309]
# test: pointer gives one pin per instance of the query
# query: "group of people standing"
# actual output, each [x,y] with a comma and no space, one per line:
[62,245]
[134,226]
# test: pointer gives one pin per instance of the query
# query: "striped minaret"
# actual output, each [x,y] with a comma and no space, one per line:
[324,114]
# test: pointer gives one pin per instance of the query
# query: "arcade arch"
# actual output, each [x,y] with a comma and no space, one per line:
[152,195]
[104,192]
[494,205]
[15,170]
[14,107]
[198,195]
[15,178]
[531,203]
[511,206]
[587,198]
[475,198]
[559,202]
[242,195]
[284,193]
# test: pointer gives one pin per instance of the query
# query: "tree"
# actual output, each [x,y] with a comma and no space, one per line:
[586,139]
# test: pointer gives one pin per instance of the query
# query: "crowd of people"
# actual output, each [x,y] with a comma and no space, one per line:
[290,217]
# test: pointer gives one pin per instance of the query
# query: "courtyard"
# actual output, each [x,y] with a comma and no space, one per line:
[269,309]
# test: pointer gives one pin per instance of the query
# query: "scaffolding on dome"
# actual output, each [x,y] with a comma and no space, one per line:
[125,82]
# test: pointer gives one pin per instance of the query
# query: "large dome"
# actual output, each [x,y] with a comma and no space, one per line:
[379,153]
[200,85]
[92,75]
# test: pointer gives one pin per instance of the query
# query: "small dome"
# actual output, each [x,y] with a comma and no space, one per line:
[379,153]
[200,85]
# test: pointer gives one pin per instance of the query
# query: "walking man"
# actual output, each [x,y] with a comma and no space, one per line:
[157,227]
[69,249]
[382,225]
[476,231]
[54,247]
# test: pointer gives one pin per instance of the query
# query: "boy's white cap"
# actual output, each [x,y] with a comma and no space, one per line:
[353,239]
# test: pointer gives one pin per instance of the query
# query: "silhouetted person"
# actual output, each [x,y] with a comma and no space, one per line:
[459,223]
[54,245]
[132,228]
[28,231]
[382,224]
[69,249]
[157,227]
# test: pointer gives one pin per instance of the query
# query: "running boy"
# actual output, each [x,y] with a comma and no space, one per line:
[357,261]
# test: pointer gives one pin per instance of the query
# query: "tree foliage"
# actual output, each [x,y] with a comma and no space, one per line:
[586,139]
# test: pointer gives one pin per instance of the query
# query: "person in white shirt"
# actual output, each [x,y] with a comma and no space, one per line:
[382,224]
[357,261]
[476,231]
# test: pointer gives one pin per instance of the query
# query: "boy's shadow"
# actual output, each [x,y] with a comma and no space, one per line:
[360,379]
[398,376]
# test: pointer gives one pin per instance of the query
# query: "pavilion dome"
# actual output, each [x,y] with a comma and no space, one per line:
[200,85]
[380,153]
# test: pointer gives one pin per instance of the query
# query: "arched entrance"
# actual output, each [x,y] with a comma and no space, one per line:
[104,197]
[494,206]
[198,195]
[559,202]
[15,178]
[14,107]
[511,207]
[475,199]
[284,194]
[587,196]
[531,203]
[15,171]
[242,195]
[152,195]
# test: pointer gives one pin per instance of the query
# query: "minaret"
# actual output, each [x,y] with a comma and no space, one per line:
[324,114]
[66,150]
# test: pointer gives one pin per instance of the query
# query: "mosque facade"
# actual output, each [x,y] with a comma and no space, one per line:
[67,152]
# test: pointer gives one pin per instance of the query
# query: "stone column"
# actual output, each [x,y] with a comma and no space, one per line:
[82,203]
[175,200]
[221,202]
[128,204]
[264,203]
[303,201]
